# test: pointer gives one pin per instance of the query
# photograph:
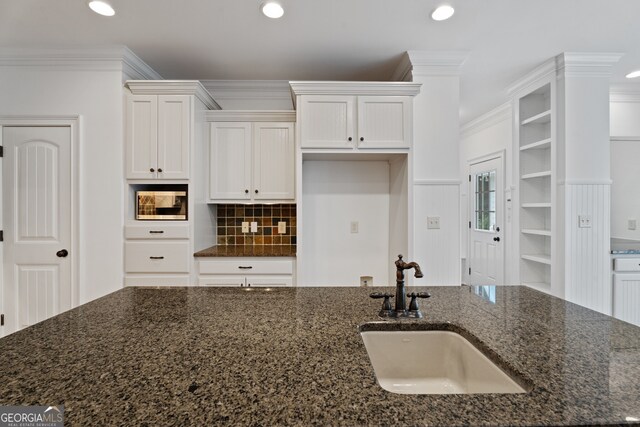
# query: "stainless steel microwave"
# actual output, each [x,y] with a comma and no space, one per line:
[161,205]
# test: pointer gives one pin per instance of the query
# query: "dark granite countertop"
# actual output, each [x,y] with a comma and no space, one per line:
[293,356]
[246,251]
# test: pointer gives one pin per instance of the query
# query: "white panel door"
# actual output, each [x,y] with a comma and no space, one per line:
[174,112]
[384,121]
[142,136]
[273,160]
[486,257]
[230,161]
[328,122]
[37,222]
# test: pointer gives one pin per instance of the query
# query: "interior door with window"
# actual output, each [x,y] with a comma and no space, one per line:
[486,243]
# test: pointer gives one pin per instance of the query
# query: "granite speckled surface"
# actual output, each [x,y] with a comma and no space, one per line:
[248,251]
[293,356]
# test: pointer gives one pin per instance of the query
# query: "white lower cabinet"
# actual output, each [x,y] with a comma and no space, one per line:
[157,255]
[246,272]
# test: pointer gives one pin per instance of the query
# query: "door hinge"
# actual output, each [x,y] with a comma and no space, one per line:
[469,271]
[469,224]
[469,178]
[1,235]
[1,319]
[1,151]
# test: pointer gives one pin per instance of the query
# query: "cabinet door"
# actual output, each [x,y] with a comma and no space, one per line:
[384,121]
[174,131]
[230,161]
[273,161]
[327,121]
[142,136]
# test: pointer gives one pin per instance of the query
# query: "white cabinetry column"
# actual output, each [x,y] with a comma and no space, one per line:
[584,179]
[436,142]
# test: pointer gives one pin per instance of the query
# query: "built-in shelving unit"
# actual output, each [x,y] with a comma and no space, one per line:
[536,143]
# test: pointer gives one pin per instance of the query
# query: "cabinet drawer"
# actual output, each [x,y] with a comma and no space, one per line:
[246,266]
[233,281]
[151,257]
[156,231]
[626,264]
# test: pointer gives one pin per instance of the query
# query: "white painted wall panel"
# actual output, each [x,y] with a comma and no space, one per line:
[587,274]
[626,298]
[437,250]
[625,188]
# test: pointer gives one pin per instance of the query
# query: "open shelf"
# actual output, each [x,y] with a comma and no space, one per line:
[536,232]
[536,175]
[544,117]
[539,258]
[536,205]
[537,145]
[539,286]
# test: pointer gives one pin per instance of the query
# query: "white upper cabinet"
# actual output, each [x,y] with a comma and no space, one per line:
[252,161]
[158,134]
[230,161]
[355,115]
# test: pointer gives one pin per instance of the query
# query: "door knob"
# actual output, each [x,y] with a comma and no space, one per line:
[62,253]
[496,239]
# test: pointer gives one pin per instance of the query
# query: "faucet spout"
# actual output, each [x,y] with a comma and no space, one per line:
[401,299]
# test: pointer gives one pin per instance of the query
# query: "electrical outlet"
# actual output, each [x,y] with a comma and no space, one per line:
[631,224]
[584,221]
[245,226]
[433,222]
[354,227]
[282,227]
[254,226]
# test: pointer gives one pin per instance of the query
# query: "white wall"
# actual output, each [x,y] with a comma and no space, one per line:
[97,97]
[335,194]
[489,134]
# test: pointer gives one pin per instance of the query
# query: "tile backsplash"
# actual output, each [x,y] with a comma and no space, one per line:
[230,218]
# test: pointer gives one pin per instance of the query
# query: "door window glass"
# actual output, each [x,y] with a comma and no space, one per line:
[485,205]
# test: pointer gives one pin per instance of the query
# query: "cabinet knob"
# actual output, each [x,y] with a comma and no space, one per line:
[362,138]
[159,169]
[246,191]
[256,191]
[496,239]
[350,139]
[152,170]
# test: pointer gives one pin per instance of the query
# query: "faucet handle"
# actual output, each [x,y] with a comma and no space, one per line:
[386,310]
[413,305]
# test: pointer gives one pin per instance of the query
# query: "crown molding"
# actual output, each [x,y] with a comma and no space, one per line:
[591,64]
[248,89]
[437,182]
[625,92]
[354,88]
[97,58]
[173,87]
[250,116]
[490,118]
[534,77]
[429,63]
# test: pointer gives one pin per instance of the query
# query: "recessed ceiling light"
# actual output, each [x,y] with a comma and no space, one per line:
[102,8]
[442,12]
[272,9]
[633,75]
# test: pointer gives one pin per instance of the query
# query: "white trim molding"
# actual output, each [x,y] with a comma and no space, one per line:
[99,58]
[624,92]
[585,182]
[437,182]
[250,116]
[354,88]
[249,89]
[532,78]
[173,87]
[429,63]
[594,64]
[624,138]
[490,118]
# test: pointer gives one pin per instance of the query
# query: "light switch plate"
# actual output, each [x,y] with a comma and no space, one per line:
[631,224]
[433,222]
[354,227]
[254,226]
[282,227]
[245,226]
[584,221]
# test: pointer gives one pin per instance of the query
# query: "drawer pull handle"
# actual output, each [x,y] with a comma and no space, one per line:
[156,257]
[156,231]
[242,267]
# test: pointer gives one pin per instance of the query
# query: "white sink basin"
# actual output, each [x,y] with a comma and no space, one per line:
[433,362]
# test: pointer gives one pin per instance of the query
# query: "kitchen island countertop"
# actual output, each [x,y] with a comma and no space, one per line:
[293,356]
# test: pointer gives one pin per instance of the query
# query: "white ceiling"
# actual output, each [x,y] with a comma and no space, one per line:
[337,39]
